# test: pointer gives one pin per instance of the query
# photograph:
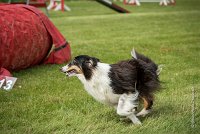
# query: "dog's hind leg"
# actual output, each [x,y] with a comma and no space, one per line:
[148,102]
[127,106]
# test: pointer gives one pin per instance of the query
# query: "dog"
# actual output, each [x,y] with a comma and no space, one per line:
[119,85]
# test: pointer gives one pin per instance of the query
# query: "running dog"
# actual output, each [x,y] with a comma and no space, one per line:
[120,85]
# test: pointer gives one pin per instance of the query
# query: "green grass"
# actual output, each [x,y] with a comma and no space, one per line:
[48,102]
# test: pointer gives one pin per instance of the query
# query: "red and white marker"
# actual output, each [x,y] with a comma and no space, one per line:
[58,5]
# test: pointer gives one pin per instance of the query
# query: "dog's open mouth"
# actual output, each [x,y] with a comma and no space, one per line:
[73,70]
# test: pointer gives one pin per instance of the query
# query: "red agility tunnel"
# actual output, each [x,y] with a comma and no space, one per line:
[28,38]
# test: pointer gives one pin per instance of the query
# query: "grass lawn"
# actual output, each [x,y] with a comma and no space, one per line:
[44,101]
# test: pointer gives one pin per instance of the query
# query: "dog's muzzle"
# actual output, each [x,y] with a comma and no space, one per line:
[71,71]
[64,69]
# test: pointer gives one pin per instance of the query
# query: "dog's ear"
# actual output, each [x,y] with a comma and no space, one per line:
[95,60]
[89,63]
[92,62]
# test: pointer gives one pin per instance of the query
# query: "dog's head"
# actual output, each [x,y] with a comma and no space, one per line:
[81,65]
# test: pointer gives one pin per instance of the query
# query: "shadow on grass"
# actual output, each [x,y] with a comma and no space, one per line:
[111,116]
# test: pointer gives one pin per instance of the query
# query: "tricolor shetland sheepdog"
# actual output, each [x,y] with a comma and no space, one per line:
[120,85]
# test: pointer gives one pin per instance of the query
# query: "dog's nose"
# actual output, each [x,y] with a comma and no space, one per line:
[61,69]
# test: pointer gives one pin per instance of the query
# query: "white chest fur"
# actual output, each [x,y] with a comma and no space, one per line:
[99,85]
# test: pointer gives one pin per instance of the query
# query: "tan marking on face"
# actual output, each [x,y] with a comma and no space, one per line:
[73,67]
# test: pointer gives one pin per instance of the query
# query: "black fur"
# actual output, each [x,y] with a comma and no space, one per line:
[141,71]
[123,76]
[87,64]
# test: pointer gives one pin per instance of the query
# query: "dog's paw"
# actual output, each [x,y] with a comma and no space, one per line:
[134,119]
[137,122]
[144,112]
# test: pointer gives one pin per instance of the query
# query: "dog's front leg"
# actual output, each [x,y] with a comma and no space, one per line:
[127,106]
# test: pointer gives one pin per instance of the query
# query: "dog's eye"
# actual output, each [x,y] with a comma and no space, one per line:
[74,62]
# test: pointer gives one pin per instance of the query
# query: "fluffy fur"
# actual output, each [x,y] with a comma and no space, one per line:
[120,85]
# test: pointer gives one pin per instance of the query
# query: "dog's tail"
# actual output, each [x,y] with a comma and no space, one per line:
[159,70]
[136,56]
[139,57]
[148,73]
[133,54]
